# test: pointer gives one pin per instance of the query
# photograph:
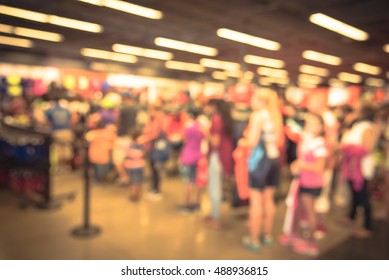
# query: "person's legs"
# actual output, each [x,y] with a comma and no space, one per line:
[215,185]
[354,202]
[363,199]
[155,177]
[270,210]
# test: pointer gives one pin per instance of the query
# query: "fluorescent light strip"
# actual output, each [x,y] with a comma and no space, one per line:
[127,8]
[219,75]
[248,75]
[348,77]
[6,28]
[386,48]
[338,27]
[321,57]
[366,68]
[219,64]
[259,60]
[271,72]
[183,46]
[375,82]
[31,33]
[306,85]
[248,39]
[38,34]
[52,19]
[142,52]
[308,69]
[11,41]
[101,54]
[305,78]
[184,66]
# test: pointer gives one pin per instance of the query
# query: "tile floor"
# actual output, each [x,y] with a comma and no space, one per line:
[147,230]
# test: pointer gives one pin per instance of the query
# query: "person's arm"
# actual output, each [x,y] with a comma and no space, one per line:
[369,139]
[317,166]
[254,130]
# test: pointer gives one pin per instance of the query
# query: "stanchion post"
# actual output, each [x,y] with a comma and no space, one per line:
[86,229]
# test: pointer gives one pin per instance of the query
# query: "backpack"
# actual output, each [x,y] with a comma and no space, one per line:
[161,149]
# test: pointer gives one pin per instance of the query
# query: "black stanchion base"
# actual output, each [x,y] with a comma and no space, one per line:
[85,232]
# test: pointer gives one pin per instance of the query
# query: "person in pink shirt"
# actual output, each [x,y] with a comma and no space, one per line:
[310,165]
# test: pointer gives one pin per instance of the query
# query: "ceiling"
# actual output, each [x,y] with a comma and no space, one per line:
[283,21]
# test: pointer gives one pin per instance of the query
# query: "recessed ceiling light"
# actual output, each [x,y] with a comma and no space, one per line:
[374,82]
[102,54]
[348,77]
[11,41]
[184,66]
[142,52]
[220,64]
[271,72]
[309,69]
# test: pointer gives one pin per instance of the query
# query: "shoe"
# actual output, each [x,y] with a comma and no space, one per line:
[153,196]
[212,223]
[184,209]
[254,247]
[195,207]
[267,240]
[320,233]
[287,239]
[306,248]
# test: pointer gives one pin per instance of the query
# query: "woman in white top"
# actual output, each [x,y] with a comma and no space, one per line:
[264,129]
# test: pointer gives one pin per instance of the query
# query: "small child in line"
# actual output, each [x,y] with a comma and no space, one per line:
[134,164]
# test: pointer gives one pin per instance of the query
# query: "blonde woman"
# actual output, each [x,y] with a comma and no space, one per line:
[264,132]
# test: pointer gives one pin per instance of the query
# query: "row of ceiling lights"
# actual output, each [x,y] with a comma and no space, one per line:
[129,51]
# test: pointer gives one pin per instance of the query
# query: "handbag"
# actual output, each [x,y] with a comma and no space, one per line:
[258,165]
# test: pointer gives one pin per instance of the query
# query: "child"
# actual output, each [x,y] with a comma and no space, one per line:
[189,158]
[101,140]
[310,166]
[134,164]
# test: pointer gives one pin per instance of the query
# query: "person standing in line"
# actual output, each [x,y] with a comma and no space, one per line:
[126,121]
[310,166]
[358,167]
[265,126]
[153,131]
[317,104]
[220,156]
[188,159]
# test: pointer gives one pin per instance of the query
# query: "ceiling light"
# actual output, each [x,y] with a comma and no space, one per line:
[338,27]
[348,77]
[220,64]
[31,33]
[311,79]
[308,69]
[24,14]
[127,8]
[271,72]
[366,68]
[6,28]
[248,75]
[109,55]
[321,57]
[75,24]
[259,60]
[375,82]
[52,19]
[248,39]
[219,75]
[306,85]
[24,43]
[38,34]
[142,52]
[187,47]
[386,48]
[234,74]
[185,66]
